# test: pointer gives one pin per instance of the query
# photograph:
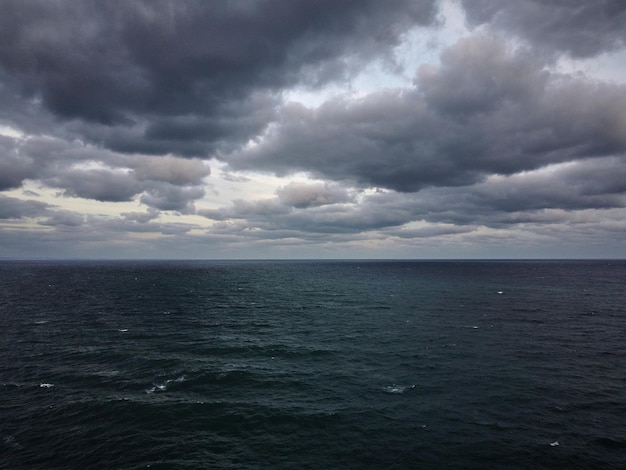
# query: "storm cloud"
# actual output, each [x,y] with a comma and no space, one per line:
[484,110]
[168,76]
[577,27]
[312,128]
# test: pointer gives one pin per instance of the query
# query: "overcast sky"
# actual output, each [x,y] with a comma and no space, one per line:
[313,129]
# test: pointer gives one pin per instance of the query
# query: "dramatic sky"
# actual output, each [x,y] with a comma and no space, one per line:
[313,129]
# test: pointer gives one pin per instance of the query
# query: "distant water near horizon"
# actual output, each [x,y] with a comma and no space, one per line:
[312,364]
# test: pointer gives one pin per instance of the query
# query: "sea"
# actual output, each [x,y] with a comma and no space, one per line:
[313,364]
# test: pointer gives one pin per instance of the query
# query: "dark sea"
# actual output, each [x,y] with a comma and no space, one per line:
[313,365]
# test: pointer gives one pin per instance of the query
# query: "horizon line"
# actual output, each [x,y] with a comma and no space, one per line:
[305,259]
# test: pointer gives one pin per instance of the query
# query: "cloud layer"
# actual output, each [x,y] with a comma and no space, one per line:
[111,115]
[484,110]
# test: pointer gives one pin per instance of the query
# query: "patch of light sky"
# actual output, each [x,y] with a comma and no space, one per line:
[8,131]
[419,46]
[609,67]
[223,187]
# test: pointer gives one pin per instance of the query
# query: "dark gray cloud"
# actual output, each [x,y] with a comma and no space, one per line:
[584,185]
[168,197]
[14,167]
[224,126]
[15,208]
[581,28]
[479,75]
[42,157]
[13,172]
[168,182]
[141,217]
[303,195]
[486,109]
[168,76]
[169,169]
[63,218]
[101,185]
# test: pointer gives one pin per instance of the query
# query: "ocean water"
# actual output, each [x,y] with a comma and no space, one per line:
[295,365]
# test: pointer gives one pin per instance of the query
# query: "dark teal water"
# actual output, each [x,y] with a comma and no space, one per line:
[287,365]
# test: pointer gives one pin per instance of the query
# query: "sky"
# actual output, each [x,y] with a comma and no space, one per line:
[256,129]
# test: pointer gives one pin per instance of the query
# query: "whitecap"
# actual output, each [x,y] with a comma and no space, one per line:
[160,387]
[397,389]
[163,386]
[46,385]
[157,388]
[554,444]
[123,330]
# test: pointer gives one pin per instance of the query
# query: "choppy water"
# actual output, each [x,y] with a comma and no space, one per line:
[313,365]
